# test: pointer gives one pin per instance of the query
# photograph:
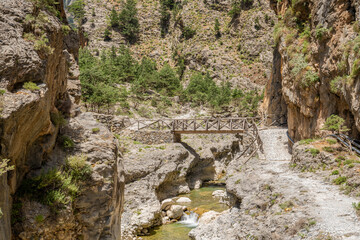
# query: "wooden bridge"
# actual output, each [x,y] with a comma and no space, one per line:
[247,126]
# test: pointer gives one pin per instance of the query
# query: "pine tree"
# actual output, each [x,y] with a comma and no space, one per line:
[217,28]
[128,21]
[114,18]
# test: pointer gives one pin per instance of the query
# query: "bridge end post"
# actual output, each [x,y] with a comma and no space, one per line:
[176,137]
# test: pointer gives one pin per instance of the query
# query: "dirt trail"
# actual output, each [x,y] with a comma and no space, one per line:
[331,209]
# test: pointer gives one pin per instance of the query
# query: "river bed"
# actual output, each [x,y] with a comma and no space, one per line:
[201,200]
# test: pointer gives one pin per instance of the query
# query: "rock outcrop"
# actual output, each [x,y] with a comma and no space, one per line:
[39,87]
[96,212]
[154,173]
[315,65]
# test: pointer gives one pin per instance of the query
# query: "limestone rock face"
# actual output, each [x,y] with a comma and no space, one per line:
[27,133]
[310,83]
[96,212]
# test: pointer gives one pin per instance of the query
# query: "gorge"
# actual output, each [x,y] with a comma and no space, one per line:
[76,75]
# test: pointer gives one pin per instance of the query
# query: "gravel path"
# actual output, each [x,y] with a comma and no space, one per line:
[332,210]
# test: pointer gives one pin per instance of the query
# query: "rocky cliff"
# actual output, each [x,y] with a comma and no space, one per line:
[39,85]
[315,65]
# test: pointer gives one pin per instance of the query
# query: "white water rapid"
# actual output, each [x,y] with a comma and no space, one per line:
[191,220]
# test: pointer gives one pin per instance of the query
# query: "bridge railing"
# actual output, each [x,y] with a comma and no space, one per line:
[197,125]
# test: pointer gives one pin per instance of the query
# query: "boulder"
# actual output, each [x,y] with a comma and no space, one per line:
[166,204]
[175,212]
[183,200]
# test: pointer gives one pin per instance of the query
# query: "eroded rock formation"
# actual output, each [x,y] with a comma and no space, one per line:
[39,81]
[316,65]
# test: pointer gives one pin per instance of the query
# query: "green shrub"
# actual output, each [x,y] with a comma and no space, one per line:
[321,32]
[328,149]
[95,130]
[287,204]
[335,172]
[335,84]
[306,141]
[2,91]
[40,44]
[188,32]
[340,180]
[39,218]
[47,4]
[217,28]
[313,151]
[356,206]
[355,69]
[65,29]
[57,187]
[67,142]
[114,18]
[107,34]
[57,118]
[331,141]
[30,86]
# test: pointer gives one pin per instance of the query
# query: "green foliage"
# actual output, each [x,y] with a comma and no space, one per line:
[57,187]
[39,218]
[128,21]
[30,86]
[340,180]
[77,10]
[237,6]
[285,205]
[302,71]
[328,149]
[356,206]
[335,84]
[355,69]
[331,141]
[114,18]
[188,32]
[95,130]
[2,92]
[165,16]
[49,5]
[313,151]
[217,28]
[321,32]
[107,34]
[278,32]
[306,141]
[335,172]
[66,142]
[203,90]
[335,123]
[57,118]
[40,44]
[65,29]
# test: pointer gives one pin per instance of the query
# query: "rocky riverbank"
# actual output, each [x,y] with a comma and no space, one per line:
[277,203]
[154,173]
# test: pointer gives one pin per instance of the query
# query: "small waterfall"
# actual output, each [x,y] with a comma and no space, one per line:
[191,220]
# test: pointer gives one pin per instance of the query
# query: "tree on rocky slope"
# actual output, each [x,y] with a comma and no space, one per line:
[335,124]
[128,21]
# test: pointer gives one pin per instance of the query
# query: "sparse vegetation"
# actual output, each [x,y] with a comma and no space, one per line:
[95,130]
[340,180]
[57,187]
[31,86]
[306,141]
[313,151]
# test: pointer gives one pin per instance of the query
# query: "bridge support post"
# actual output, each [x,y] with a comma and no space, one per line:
[176,137]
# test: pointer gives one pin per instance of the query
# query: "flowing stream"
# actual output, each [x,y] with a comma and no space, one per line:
[201,201]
